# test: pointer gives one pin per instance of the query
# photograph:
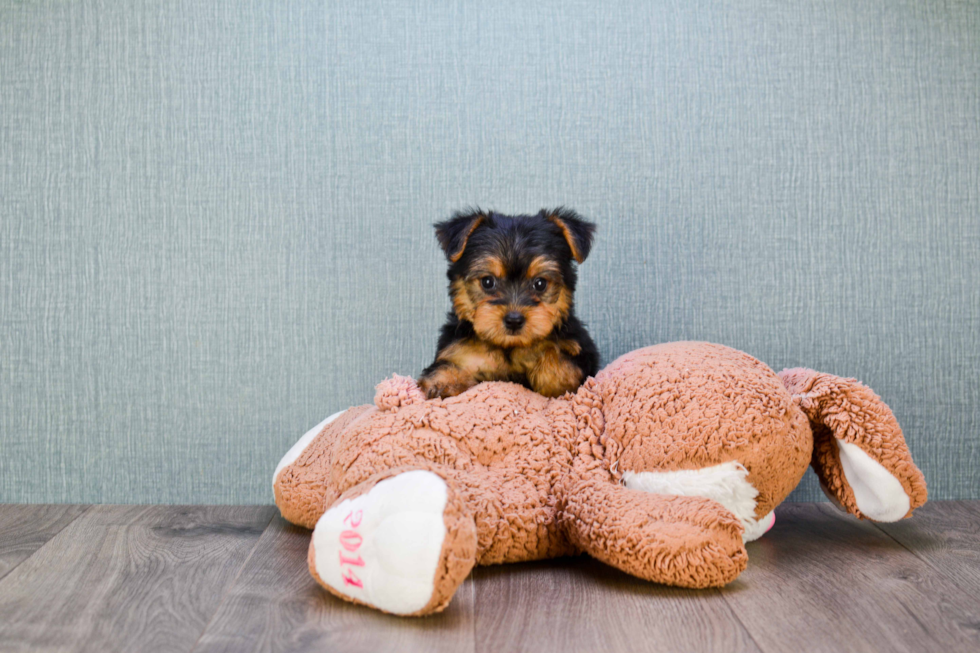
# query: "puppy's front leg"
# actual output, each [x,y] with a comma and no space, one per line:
[549,370]
[443,379]
[460,366]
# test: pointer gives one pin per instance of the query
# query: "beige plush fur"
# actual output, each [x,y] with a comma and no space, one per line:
[530,477]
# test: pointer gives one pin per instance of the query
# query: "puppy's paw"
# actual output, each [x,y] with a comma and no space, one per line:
[446,382]
[549,371]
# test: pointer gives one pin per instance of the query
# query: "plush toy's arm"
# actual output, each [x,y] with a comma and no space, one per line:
[684,541]
[301,483]
[859,453]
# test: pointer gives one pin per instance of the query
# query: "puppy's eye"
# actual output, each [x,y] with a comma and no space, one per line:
[488,283]
[540,284]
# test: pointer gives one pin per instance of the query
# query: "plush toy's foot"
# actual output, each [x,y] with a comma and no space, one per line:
[687,541]
[402,546]
[759,528]
[726,483]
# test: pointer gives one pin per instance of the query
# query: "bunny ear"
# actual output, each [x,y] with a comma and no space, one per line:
[577,232]
[859,452]
[454,233]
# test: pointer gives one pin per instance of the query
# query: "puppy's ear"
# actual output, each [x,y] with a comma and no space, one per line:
[454,233]
[577,231]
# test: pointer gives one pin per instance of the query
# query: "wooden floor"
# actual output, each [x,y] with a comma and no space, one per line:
[220,578]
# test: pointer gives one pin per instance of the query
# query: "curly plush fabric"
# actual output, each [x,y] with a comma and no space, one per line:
[844,412]
[714,436]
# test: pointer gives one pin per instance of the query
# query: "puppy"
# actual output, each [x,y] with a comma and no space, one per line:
[511,280]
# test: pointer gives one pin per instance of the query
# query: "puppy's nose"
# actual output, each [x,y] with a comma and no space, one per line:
[514,321]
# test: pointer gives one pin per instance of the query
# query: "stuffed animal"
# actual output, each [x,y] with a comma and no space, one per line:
[663,465]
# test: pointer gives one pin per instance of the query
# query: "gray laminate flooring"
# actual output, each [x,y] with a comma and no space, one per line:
[234,578]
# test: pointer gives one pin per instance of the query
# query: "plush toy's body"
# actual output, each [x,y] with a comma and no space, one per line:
[663,465]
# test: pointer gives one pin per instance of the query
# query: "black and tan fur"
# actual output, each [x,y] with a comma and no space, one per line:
[512,280]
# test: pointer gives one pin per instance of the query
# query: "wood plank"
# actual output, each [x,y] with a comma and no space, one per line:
[24,528]
[275,605]
[127,578]
[821,580]
[580,604]
[946,536]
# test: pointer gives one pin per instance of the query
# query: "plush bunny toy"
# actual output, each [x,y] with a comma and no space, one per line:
[663,466]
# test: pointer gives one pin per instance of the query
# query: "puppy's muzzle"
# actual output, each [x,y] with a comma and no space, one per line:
[514,321]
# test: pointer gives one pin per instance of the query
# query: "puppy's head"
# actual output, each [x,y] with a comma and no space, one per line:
[513,277]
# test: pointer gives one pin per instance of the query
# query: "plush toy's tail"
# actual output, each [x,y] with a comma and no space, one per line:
[859,452]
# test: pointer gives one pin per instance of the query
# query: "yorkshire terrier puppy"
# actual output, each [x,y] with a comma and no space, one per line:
[511,280]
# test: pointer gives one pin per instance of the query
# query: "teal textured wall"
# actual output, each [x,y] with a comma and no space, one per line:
[216,215]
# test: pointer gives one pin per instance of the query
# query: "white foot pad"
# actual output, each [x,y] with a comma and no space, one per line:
[382,548]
